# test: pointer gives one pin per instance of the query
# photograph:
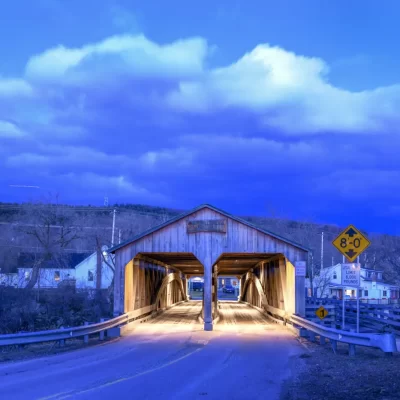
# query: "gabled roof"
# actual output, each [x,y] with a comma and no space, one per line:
[67,261]
[186,214]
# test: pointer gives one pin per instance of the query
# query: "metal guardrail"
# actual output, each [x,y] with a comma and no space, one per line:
[385,341]
[73,332]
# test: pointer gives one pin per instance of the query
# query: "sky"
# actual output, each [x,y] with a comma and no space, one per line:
[267,108]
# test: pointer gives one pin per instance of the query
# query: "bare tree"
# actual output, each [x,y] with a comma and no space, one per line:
[51,232]
[322,281]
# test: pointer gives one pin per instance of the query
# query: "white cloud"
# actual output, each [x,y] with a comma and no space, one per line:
[179,157]
[14,88]
[287,91]
[281,89]
[118,185]
[127,54]
[10,130]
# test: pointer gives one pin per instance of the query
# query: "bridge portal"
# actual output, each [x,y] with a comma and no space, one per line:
[153,268]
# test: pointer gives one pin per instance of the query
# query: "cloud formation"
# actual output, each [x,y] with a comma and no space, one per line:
[159,123]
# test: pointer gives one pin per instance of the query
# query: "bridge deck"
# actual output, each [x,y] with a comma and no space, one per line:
[185,313]
[233,313]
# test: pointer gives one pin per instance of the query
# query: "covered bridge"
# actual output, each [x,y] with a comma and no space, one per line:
[153,267]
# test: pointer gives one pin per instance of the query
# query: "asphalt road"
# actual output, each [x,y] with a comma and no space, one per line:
[169,358]
[197,295]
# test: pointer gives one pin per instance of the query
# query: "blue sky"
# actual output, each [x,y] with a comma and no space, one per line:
[252,106]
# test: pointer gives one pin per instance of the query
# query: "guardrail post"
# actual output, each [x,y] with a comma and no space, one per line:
[101,332]
[334,345]
[86,337]
[61,341]
[352,349]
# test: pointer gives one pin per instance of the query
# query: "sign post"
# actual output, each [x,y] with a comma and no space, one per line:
[300,277]
[351,243]
[358,310]
[343,307]
[351,278]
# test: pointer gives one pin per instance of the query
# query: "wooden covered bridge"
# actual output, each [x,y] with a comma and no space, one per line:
[153,268]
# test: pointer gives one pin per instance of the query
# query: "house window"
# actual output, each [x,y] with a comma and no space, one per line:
[334,275]
[90,276]
[365,292]
[56,275]
[384,293]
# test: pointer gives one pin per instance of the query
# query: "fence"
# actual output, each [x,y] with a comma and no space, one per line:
[304,327]
[385,342]
[327,330]
[110,327]
[378,317]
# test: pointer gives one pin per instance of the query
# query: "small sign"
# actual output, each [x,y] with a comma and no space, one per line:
[351,242]
[322,313]
[351,275]
[300,268]
[206,225]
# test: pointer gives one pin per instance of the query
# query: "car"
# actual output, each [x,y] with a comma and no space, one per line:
[228,289]
[197,286]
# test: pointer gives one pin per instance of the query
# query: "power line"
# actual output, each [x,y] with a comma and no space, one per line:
[94,209]
[38,248]
[56,226]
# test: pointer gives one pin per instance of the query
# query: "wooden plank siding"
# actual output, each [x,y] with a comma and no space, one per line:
[207,247]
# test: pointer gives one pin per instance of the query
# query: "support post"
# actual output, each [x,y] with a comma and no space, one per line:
[215,293]
[207,297]
[101,332]
[86,337]
[358,310]
[62,341]
[352,350]
[343,307]
[300,284]
[334,345]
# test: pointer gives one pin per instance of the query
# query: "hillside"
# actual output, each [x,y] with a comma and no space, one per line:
[95,223]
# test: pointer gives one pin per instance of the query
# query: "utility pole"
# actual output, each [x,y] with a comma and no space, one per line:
[113,227]
[322,251]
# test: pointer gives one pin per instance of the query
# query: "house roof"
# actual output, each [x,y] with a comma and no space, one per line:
[379,281]
[373,270]
[69,260]
[186,214]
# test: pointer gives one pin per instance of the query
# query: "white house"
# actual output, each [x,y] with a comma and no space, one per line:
[82,270]
[372,285]
[86,272]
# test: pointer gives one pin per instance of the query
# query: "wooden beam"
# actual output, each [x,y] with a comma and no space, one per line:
[155,262]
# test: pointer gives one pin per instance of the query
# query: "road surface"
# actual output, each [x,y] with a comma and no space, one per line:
[170,357]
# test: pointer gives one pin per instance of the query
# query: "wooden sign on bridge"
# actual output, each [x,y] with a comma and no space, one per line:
[206,225]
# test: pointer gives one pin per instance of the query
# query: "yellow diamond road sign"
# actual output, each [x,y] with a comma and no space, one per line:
[321,312]
[351,243]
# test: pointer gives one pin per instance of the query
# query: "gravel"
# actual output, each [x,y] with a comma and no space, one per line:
[320,374]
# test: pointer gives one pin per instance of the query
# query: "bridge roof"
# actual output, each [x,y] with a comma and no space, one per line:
[203,206]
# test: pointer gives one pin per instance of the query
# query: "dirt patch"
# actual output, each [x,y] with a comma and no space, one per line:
[321,374]
[27,352]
